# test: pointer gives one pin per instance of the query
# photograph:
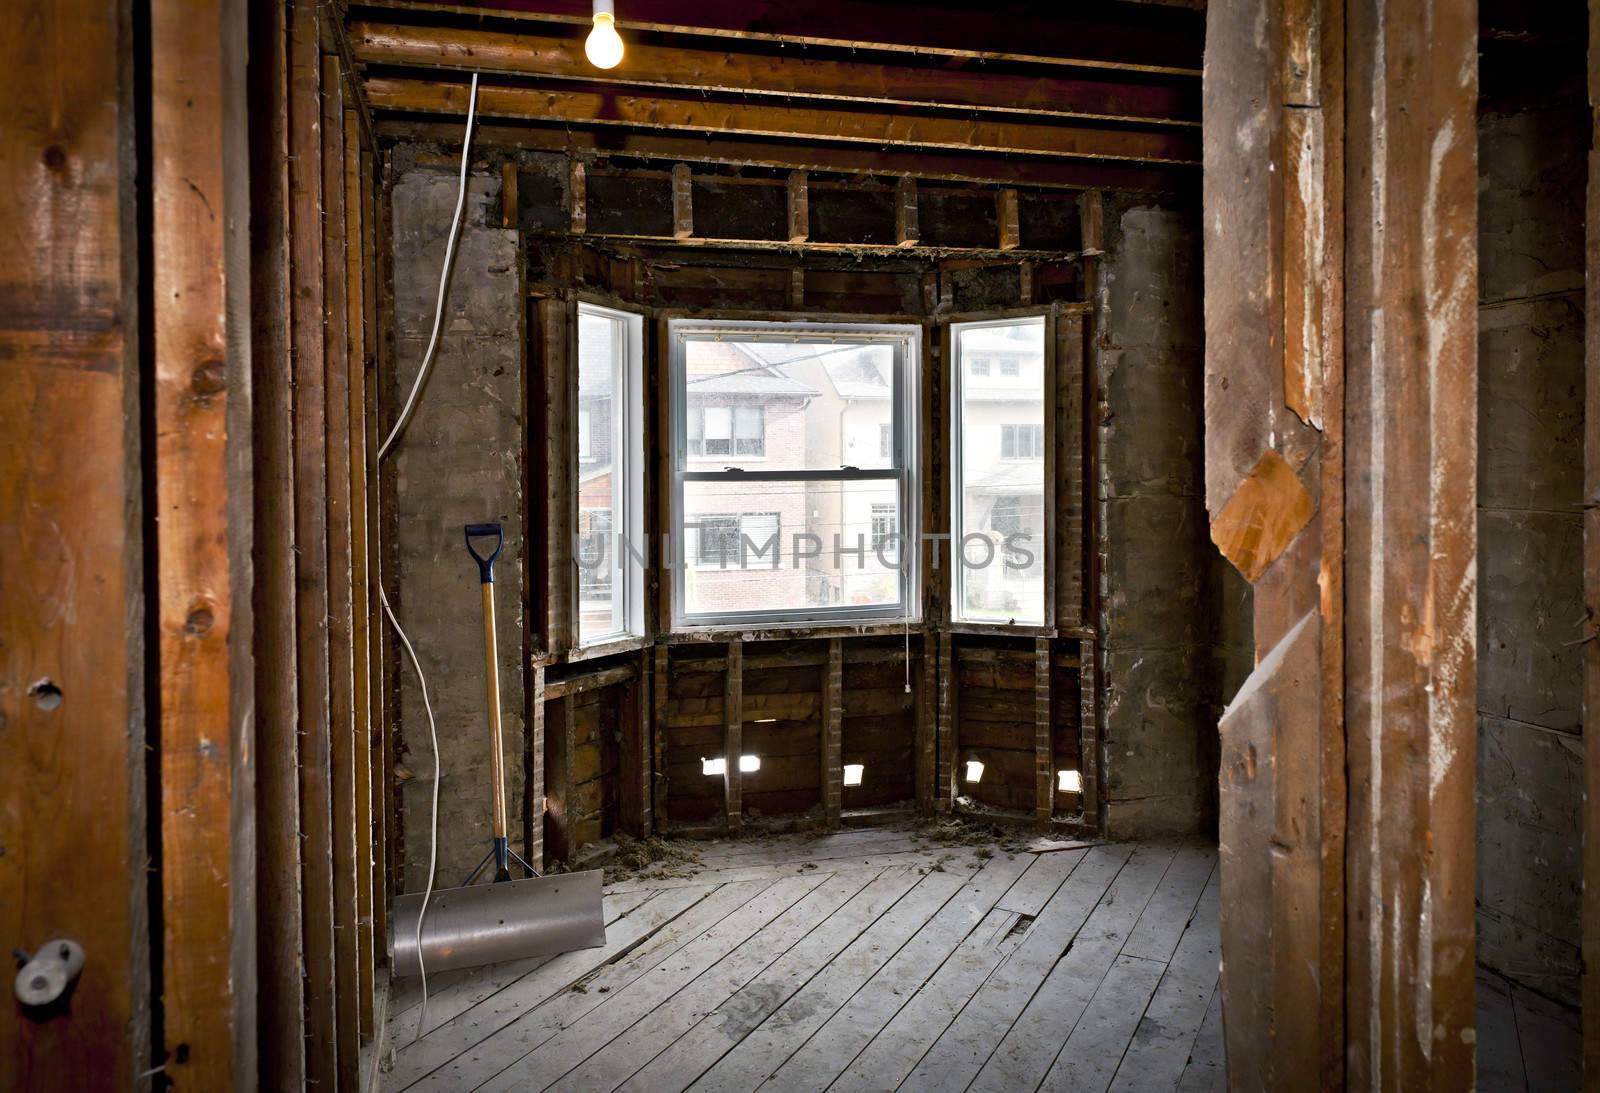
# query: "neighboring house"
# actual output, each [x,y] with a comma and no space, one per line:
[743,411]
[850,425]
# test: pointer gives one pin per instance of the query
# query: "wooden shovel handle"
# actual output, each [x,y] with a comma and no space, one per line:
[491,675]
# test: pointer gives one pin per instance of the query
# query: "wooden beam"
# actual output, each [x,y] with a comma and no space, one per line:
[555,454]
[357,304]
[1006,214]
[200,197]
[1120,38]
[308,366]
[682,202]
[948,788]
[560,817]
[733,737]
[387,684]
[832,772]
[797,288]
[339,621]
[1282,787]
[508,194]
[1091,213]
[577,198]
[674,245]
[925,735]
[1089,735]
[280,990]
[73,742]
[1591,580]
[587,108]
[1411,495]
[907,230]
[526,52]
[1043,737]
[1072,483]
[638,818]
[1076,174]
[589,681]
[537,763]
[799,207]
[659,691]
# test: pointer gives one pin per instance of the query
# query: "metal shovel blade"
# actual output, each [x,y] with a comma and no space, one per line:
[508,920]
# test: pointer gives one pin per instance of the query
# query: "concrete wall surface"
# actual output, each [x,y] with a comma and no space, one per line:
[1174,626]
[1530,540]
[459,462]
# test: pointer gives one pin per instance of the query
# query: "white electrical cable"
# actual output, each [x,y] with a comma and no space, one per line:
[383,449]
[444,280]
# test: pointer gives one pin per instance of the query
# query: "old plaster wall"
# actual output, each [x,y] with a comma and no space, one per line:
[1530,538]
[459,462]
[1174,618]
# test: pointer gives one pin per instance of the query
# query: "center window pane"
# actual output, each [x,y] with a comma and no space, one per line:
[790,468]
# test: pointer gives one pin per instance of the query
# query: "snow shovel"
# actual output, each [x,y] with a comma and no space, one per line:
[505,919]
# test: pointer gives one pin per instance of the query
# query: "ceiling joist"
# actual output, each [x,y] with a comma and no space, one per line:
[597,108]
[1034,171]
[697,68]
[1108,34]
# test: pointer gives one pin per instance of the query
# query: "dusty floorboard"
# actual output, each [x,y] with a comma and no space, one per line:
[867,960]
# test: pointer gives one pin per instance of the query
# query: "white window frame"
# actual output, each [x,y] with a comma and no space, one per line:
[906,341]
[627,483]
[1044,548]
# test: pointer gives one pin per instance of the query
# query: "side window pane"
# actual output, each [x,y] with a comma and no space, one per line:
[1000,487]
[608,476]
[599,353]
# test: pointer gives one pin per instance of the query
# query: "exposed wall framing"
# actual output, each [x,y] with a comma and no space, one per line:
[1340,304]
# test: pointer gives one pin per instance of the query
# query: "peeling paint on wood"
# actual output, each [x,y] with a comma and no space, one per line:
[1261,519]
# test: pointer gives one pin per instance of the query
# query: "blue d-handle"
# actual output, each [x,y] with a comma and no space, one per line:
[485,565]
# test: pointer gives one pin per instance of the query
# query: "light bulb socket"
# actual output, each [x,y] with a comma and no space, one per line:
[606,9]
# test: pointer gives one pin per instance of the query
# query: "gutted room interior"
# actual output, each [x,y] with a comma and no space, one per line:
[589,545]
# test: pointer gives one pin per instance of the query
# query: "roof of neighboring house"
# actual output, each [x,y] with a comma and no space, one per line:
[851,370]
[750,383]
[1013,338]
[1025,476]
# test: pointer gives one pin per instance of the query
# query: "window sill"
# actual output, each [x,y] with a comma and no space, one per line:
[721,632]
[630,643]
[1000,629]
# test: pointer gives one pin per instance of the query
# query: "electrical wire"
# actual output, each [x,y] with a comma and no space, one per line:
[444,280]
[383,449]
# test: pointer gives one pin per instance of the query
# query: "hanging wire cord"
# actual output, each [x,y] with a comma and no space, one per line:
[383,450]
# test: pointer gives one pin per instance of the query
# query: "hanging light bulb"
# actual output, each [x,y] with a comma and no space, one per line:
[604,45]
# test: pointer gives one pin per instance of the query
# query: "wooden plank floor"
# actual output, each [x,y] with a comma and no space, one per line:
[867,960]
